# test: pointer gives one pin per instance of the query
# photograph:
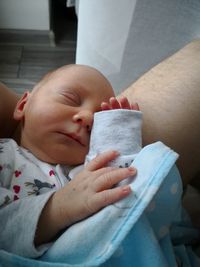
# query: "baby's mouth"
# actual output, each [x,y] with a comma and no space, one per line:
[76,138]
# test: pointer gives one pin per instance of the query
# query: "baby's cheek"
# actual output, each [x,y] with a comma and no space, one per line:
[77,156]
[83,153]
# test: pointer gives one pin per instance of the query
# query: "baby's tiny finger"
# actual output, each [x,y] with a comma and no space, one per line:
[135,106]
[111,178]
[105,106]
[101,160]
[124,103]
[111,196]
[104,170]
[114,103]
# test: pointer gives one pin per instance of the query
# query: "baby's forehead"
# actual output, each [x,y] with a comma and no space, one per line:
[75,77]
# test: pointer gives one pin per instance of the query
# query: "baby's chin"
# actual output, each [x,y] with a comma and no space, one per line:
[55,155]
[64,160]
[55,161]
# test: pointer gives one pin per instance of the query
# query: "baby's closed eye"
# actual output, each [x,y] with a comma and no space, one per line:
[71,98]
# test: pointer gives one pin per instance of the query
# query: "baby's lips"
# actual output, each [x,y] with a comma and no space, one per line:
[77,138]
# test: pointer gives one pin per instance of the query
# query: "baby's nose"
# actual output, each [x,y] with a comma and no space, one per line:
[85,118]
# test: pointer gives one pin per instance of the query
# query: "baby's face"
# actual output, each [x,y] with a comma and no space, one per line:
[58,117]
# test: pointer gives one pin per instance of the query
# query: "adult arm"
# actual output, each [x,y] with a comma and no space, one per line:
[8,100]
[169,97]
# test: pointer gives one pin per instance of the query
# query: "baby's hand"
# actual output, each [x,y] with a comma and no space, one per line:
[93,188]
[121,103]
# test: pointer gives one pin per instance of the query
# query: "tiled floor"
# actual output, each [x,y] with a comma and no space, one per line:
[25,56]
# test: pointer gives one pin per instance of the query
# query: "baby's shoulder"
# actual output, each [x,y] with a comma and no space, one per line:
[9,149]
[7,144]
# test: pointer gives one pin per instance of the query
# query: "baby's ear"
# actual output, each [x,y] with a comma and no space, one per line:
[20,107]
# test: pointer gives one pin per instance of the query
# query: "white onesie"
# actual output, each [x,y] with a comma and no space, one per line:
[26,184]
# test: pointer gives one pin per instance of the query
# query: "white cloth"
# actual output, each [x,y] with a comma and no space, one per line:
[26,184]
[118,130]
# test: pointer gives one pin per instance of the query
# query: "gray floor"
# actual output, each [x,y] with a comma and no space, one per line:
[25,56]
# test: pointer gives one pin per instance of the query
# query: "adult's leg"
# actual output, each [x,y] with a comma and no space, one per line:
[169,97]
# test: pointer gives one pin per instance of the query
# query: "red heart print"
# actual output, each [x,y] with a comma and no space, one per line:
[16,188]
[51,172]
[17,173]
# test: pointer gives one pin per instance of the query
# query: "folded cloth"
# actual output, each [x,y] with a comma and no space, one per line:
[118,130]
[148,228]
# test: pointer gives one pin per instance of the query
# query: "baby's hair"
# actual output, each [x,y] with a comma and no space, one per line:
[47,77]
[51,73]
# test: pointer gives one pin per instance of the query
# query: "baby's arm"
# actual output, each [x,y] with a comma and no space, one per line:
[88,192]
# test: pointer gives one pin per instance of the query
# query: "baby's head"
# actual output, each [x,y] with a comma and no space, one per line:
[57,115]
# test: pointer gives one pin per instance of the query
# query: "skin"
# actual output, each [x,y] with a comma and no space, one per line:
[61,107]
[169,98]
[8,100]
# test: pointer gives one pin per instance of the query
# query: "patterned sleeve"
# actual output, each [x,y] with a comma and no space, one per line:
[18,225]
[18,217]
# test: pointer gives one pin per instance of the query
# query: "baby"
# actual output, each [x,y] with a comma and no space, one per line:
[38,200]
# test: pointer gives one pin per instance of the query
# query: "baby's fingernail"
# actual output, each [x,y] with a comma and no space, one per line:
[116,152]
[126,189]
[131,169]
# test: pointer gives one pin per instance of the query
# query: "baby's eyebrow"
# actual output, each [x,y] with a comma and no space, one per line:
[70,92]
[65,90]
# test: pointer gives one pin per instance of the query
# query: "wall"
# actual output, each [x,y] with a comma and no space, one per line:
[24,14]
